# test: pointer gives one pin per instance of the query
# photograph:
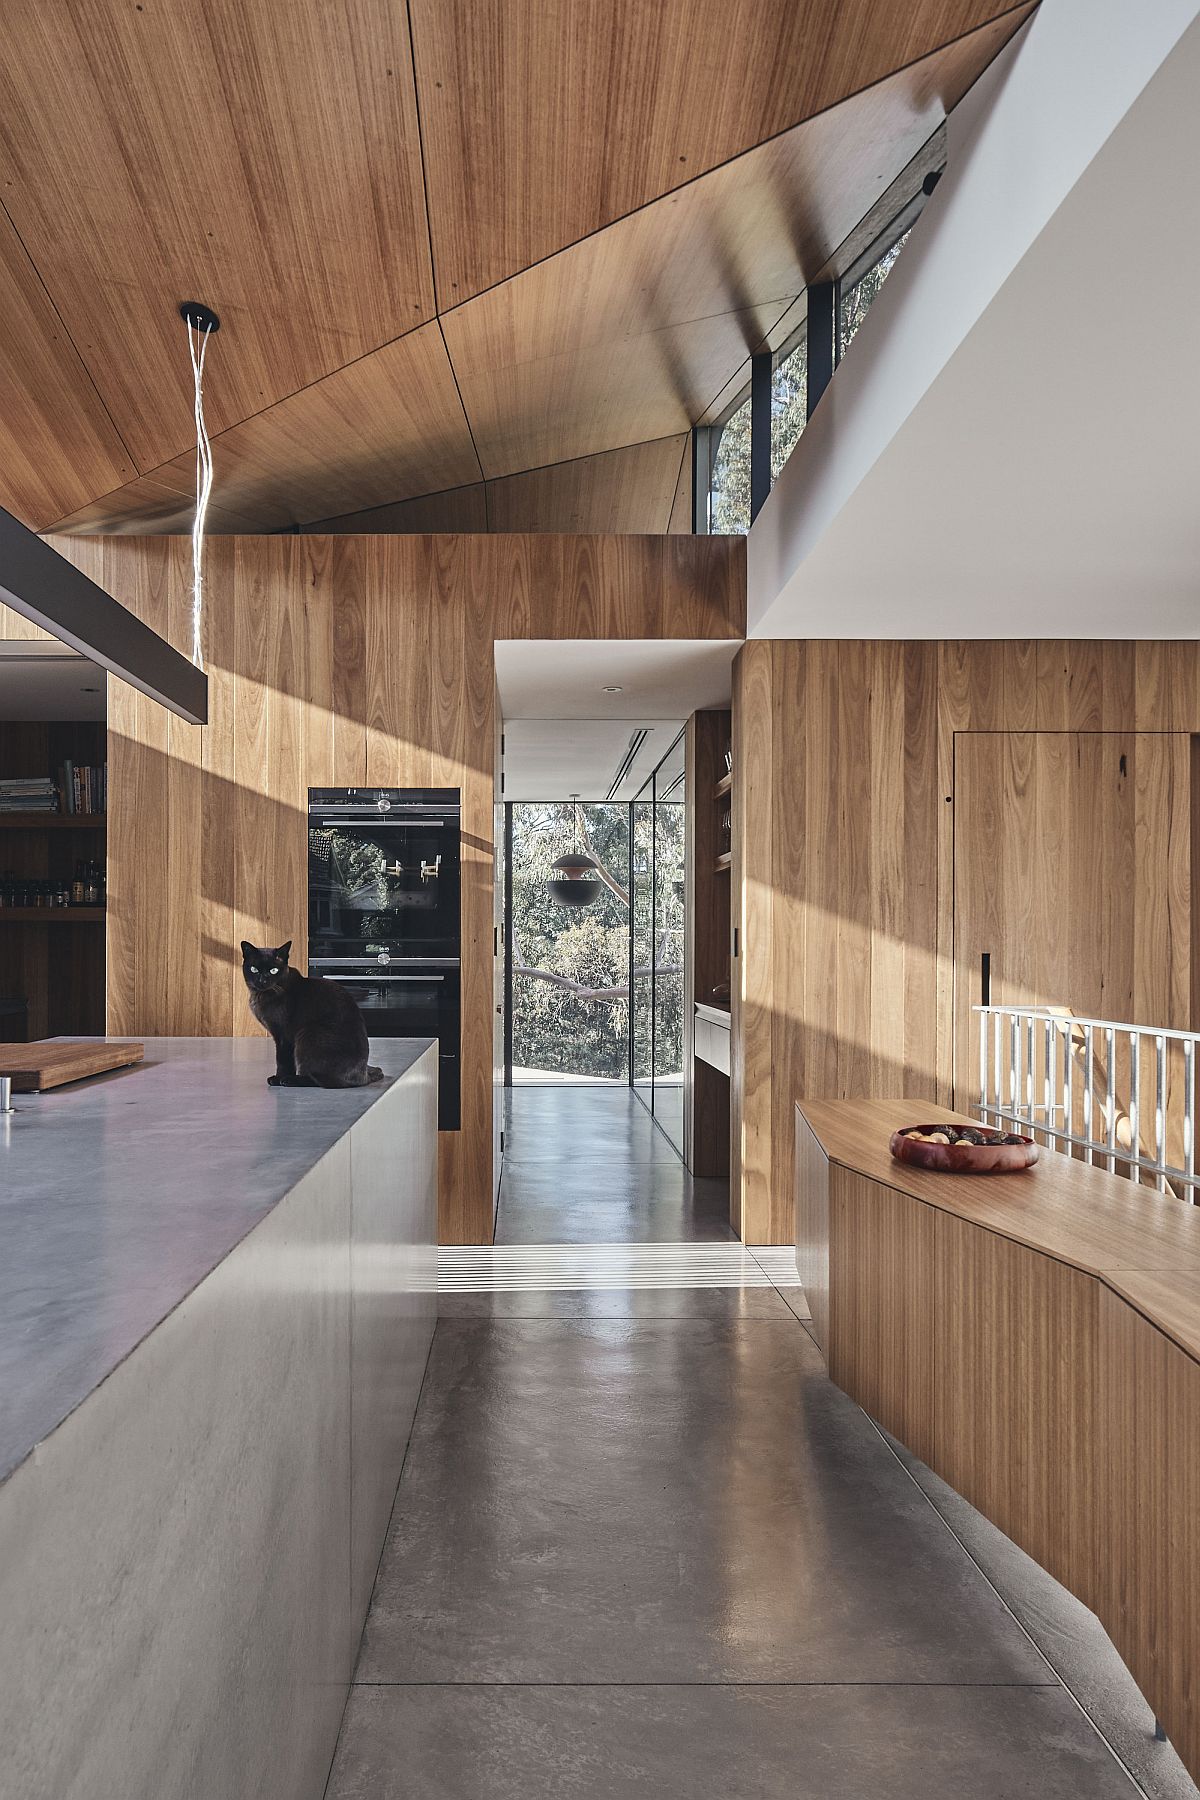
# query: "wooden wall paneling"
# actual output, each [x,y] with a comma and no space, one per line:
[14,625]
[499,946]
[751,986]
[841,868]
[259,906]
[520,580]
[513,180]
[704,594]
[248,170]
[185,806]
[1167,685]
[611,591]
[882,1321]
[812,1227]
[1015,1340]
[1039,816]
[220,985]
[348,580]
[345,660]
[1084,686]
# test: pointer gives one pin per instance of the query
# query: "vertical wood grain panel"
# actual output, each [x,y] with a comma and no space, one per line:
[882,1303]
[336,660]
[840,882]
[1015,1344]
[751,986]
[1072,868]
[812,1227]
[1148,1445]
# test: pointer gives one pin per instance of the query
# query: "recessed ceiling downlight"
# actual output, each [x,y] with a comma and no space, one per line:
[612,690]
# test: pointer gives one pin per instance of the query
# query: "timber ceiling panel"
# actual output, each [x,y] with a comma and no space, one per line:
[49,466]
[261,157]
[642,324]
[545,120]
[636,484]
[387,424]
[267,159]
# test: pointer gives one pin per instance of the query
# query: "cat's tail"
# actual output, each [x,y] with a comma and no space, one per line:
[373,1073]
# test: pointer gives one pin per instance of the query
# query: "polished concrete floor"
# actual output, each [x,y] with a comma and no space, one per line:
[643,1547]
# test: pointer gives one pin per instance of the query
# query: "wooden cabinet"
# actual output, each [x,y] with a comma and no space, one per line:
[1035,1339]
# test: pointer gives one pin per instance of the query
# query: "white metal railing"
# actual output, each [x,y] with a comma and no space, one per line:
[1080,1085]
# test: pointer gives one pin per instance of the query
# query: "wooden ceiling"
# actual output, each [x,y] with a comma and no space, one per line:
[532,233]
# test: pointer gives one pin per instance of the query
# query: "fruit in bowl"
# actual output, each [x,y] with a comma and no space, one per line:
[963,1149]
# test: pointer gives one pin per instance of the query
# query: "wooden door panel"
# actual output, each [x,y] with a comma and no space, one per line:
[1072,868]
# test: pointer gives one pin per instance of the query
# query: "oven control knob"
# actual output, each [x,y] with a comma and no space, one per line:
[383,804]
[383,957]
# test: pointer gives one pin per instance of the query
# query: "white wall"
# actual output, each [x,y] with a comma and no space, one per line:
[1008,444]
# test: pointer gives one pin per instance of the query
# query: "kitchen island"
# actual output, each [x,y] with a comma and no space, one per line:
[216,1302]
[1035,1339]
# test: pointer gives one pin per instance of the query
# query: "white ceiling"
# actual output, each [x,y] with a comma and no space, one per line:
[39,680]
[1044,482]
[564,735]
[551,759]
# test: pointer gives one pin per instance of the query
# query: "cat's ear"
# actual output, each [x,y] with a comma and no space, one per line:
[248,951]
[283,950]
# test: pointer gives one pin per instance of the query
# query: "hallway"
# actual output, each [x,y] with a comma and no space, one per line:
[642,1546]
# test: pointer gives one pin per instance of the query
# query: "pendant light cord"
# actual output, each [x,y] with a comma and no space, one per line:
[197,345]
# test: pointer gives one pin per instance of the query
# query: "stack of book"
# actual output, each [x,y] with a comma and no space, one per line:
[84,790]
[28,794]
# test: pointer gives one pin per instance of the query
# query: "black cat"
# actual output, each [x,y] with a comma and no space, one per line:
[320,1038]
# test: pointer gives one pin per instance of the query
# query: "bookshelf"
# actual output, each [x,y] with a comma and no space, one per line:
[58,974]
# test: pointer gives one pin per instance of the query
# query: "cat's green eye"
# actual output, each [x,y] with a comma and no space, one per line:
[274,971]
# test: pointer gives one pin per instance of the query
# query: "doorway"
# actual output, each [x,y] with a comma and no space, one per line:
[569,965]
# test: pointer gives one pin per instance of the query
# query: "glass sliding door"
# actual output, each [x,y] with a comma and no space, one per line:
[669,818]
[657,826]
[642,947]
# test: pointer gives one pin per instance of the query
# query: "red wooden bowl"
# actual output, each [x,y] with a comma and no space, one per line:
[963,1149]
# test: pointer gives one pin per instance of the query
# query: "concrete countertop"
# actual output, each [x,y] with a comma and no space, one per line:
[118,1195]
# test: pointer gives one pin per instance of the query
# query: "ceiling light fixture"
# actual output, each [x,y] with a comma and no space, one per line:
[575,878]
[612,690]
[203,321]
[625,766]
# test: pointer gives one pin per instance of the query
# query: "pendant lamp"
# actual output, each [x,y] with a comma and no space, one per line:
[574,880]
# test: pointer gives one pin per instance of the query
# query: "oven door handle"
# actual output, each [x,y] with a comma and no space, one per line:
[407,819]
[386,975]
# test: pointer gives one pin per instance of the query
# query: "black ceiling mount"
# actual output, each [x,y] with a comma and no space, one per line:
[201,316]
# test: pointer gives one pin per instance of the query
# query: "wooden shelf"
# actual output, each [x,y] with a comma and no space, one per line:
[723,786]
[53,821]
[51,915]
[724,862]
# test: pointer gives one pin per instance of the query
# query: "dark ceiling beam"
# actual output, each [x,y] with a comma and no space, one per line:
[44,587]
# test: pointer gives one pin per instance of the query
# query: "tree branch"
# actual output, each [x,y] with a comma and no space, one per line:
[580,991]
[605,873]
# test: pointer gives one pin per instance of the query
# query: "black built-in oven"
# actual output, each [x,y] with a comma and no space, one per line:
[384,914]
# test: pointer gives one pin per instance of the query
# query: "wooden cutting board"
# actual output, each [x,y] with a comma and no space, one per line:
[53,1061]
